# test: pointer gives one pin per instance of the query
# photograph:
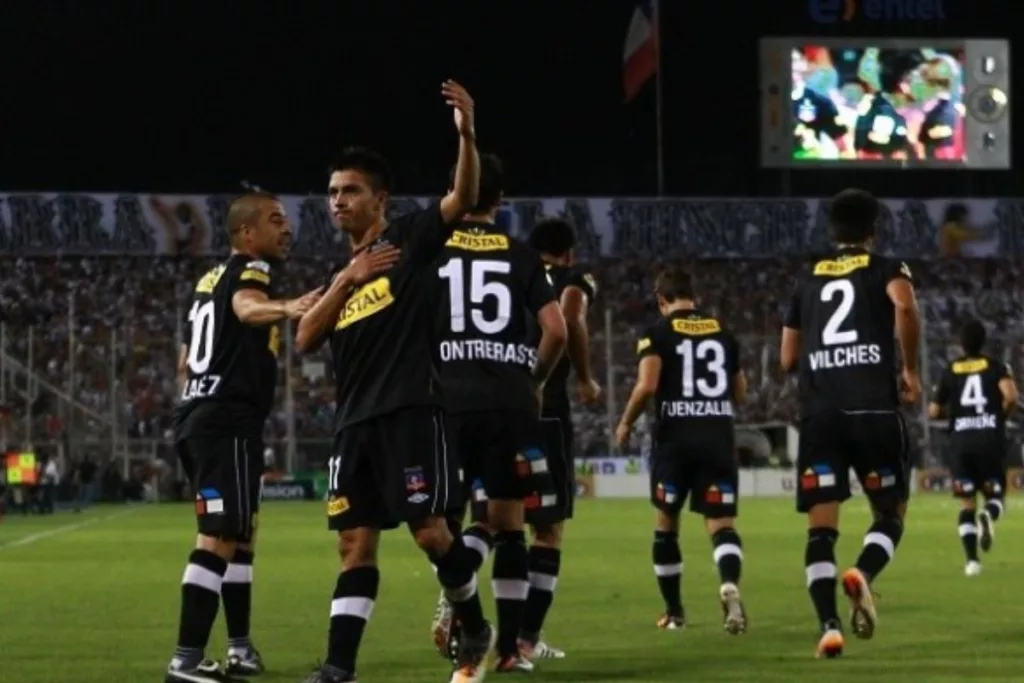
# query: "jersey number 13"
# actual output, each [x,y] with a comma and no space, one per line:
[710,353]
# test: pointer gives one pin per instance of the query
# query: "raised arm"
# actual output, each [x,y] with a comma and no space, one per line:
[466,187]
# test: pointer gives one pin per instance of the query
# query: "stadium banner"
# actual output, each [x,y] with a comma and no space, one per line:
[143,224]
[289,488]
[761,482]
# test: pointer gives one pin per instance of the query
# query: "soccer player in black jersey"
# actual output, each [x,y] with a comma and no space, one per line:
[976,392]
[555,240]
[389,463]
[839,335]
[494,292]
[690,365]
[227,371]
[881,131]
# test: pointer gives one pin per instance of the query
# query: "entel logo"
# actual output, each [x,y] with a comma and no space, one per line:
[831,11]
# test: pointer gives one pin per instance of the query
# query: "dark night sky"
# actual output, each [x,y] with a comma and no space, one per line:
[139,96]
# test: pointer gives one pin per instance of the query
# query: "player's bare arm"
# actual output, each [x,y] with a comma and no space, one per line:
[552,341]
[182,368]
[1008,388]
[739,388]
[934,410]
[789,354]
[908,333]
[574,308]
[464,192]
[321,317]
[254,307]
[646,386]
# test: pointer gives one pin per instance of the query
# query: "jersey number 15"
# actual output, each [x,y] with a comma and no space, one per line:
[481,287]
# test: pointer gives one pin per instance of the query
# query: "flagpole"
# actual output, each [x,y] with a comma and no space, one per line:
[656,13]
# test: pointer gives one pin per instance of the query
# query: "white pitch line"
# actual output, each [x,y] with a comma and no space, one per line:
[32,538]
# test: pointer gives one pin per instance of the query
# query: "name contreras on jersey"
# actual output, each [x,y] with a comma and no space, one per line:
[203,386]
[845,357]
[486,349]
[964,424]
[696,409]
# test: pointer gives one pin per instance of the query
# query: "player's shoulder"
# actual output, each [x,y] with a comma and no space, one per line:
[581,277]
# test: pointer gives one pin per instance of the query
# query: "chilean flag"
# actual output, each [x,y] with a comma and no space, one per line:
[640,53]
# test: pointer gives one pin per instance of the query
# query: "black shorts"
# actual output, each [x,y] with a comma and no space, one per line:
[874,444]
[225,474]
[558,445]
[708,474]
[979,470]
[503,458]
[391,469]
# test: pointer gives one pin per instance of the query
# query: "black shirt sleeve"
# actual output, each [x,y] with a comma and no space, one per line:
[585,282]
[792,319]
[733,359]
[645,345]
[255,275]
[539,292]
[424,233]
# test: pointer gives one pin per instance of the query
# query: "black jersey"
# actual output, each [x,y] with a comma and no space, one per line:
[231,366]
[381,342]
[491,288]
[880,128]
[699,363]
[847,332]
[969,390]
[816,113]
[556,394]
[939,127]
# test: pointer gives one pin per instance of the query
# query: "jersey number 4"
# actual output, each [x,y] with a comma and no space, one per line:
[200,345]
[481,287]
[710,353]
[973,395]
[833,334]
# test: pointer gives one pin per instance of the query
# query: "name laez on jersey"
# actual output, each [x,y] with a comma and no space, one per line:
[842,349]
[479,349]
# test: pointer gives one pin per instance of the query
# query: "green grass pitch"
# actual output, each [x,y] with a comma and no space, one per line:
[93,598]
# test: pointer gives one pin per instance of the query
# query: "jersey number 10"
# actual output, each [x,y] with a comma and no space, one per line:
[200,344]
[481,287]
[711,353]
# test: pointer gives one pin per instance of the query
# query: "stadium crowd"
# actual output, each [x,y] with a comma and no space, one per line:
[142,301]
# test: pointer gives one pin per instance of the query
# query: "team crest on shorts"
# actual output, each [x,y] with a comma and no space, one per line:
[415,484]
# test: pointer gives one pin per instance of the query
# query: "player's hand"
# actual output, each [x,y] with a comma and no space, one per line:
[622,432]
[367,264]
[590,392]
[910,392]
[457,97]
[538,392]
[296,308]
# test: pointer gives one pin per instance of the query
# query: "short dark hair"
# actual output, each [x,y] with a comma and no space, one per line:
[673,284]
[972,337]
[955,212]
[246,209]
[367,161]
[852,215]
[553,236]
[492,183]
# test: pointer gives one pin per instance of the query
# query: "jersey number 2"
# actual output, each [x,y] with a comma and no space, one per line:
[832,335]
[200,345]
[480,288]
[712,354]
[972,395]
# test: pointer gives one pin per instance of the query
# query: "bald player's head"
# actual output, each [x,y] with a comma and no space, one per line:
[257,225]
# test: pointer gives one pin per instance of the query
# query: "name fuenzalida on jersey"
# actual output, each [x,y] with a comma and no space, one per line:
[699,361]
[970,387]
[227,360]
[491,290]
